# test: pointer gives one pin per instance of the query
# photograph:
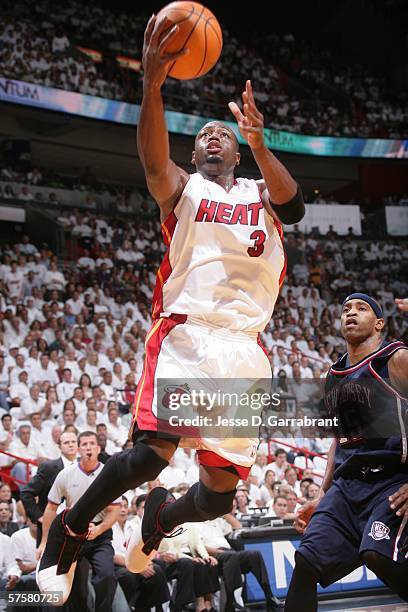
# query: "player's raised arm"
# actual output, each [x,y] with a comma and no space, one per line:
[282,196]
[165,180]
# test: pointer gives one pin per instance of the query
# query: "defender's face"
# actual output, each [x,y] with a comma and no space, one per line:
[216,148]
[359,322]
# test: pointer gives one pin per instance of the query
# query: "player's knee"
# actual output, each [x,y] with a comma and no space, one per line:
[211,504]
[305,568]
[372,560]
[137,461]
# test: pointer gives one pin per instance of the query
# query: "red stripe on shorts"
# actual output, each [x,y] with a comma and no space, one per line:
[142,411]
[207,457]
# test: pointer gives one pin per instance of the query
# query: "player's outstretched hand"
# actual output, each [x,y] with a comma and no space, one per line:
[250,120]
[156,61]
[399,501]
[402,304]
[304,515]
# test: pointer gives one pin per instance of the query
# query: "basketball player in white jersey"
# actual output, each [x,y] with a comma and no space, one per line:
[216,290]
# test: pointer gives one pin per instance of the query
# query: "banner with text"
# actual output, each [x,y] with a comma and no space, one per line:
[340,216]
[30,94]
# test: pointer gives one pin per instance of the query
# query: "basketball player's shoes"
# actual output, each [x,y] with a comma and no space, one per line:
[144,542]
[56,569]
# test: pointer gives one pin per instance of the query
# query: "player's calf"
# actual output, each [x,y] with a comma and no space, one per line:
[303,587]
[391,573]
[56,568]
[199,504]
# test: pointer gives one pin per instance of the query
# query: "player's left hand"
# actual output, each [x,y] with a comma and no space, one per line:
[399,501]
[250,120]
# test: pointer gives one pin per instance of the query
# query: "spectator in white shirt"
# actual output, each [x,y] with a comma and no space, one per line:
[40,431]
[107,387]
[14,282]
[79,401]
[116,431]
[86,262]
[171,476]
[25,194]
[15,332]
[280,464]
[9,570]
[259,468]
[54,279]
[33,403]
[75,303]
[266,491]
[291,478]
[305,369]
[65,389]
[45,371]
[51,448]
[60,43]
[24,543]
[278,507]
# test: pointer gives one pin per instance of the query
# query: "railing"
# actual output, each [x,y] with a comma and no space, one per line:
[5,476]
[306,452]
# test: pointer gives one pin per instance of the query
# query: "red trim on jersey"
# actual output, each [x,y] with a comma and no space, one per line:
[383,382]
[142,411]
[396,345]
[207,457]
[279,227]
[261,344]
[168,227]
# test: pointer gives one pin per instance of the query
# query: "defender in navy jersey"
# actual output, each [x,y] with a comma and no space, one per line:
[358,518]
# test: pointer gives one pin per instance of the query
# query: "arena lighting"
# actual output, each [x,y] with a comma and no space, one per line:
[124,62]
[95,56]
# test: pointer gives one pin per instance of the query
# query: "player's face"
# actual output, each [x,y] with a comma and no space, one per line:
[216,149]
[359,322]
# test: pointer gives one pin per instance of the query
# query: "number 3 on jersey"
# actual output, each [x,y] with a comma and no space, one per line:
[259,236]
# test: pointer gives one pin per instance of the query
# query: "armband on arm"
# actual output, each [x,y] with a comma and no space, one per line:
[292,211]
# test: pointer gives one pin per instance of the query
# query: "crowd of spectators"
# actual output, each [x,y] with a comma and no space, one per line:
[26,185]
[72,345]
[338,98]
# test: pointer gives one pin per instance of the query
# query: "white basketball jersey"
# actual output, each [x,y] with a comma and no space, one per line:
[225,260]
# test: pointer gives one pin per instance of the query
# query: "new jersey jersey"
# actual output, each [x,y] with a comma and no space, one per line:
[372,415]
[225,260]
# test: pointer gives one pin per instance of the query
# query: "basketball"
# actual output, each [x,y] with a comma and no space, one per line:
[199,32]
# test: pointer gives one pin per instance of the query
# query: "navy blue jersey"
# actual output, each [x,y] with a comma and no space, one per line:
[372,415]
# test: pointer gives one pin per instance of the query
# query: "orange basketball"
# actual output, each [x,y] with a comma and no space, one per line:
[199,32]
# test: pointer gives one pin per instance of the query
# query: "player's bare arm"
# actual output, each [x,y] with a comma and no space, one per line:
[398,370]
[304,514]
[164,178]
[277,185]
